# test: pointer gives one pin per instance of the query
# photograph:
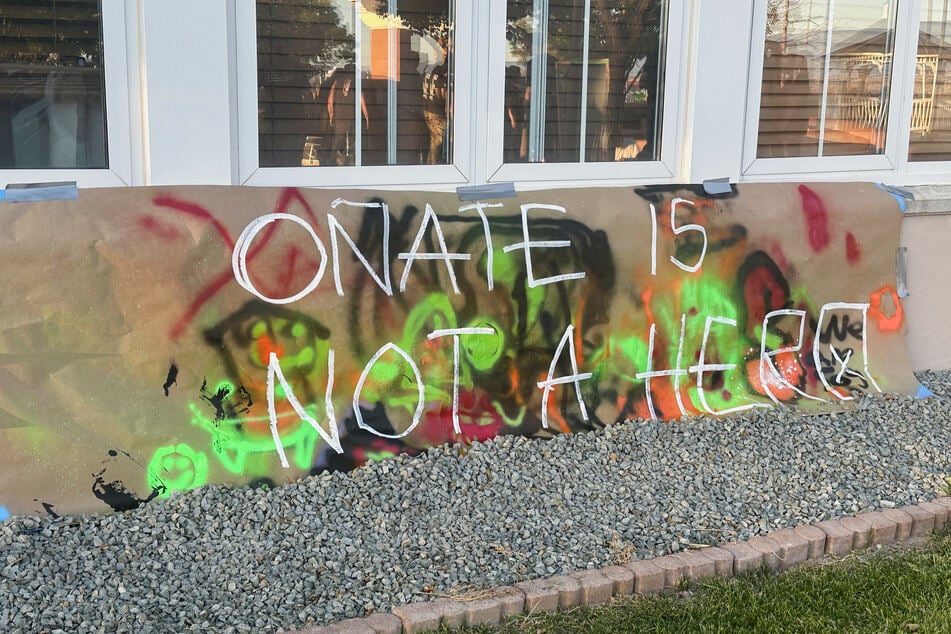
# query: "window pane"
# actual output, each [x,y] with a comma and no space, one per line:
[315,110]
[52,92]
[583,69]
[931,101]
[826,76]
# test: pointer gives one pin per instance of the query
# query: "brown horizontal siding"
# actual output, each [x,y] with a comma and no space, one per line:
[31,31]
[278,45]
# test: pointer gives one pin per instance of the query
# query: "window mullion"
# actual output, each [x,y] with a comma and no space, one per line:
[537,105]
[898,134]
[586,42]
[754,96]
[487,149]
[392,57]
[123,100]
[357,83]
[830,24]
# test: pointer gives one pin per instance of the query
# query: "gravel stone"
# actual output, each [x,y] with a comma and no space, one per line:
[454,521]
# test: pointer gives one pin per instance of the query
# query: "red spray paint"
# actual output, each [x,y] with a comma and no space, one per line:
[817,219]
[853,252]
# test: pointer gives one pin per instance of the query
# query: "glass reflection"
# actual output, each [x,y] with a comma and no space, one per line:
[354,83]
[827,70]
[931,94]
[583,80]
[52,92]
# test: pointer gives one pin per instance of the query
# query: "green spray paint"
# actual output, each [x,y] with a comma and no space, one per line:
[176,468]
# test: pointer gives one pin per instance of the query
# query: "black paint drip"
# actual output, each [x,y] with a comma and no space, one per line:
[171,379]
[117,496]
[227,405]
[48,508]
[216,400]
[115,493]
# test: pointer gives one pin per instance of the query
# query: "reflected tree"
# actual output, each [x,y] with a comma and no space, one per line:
[300,43]
[307,35]
[52,33]
[627,33]
[423,16]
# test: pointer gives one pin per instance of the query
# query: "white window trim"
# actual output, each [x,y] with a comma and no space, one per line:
[118,29]
[925,172]
[479,106]
[891,166]
[250,172]
[917,172]
[667,169]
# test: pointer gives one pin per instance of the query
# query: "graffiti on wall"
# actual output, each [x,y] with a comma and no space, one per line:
[184,336]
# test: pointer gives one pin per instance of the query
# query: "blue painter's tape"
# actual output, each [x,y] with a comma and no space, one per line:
[899,194]
[717,186]
[32,192]
[483,192]
[4,513]
[923,392]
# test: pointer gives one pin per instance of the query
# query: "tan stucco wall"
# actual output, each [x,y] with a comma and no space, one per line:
[927,238]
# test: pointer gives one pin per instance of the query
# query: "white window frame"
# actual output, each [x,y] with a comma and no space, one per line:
[478,113]
[667,169]
[392,176]
[119,27]
[891,166]
[918,172]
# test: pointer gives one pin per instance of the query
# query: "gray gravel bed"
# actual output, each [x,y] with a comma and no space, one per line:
[342,545]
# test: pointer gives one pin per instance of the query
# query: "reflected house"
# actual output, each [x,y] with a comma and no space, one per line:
[790,104]
[861,74]
[394,89]
[403,95]
[856,108]
[299,47]
[56,116]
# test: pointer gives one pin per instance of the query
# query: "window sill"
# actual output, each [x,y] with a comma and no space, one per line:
[929,199]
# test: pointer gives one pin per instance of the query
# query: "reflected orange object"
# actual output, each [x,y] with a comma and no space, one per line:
[381,40]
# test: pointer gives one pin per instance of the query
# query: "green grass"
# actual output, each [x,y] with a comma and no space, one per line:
[885,590]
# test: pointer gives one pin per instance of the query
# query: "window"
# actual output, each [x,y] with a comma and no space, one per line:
[931,101]
[54,106]
[583,82]
[395,111]
[843,86]
[591,90]
[351,93]
[52,99]
[827,71]
[413,92]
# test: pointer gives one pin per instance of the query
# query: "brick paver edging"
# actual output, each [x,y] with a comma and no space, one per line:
[777,550]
